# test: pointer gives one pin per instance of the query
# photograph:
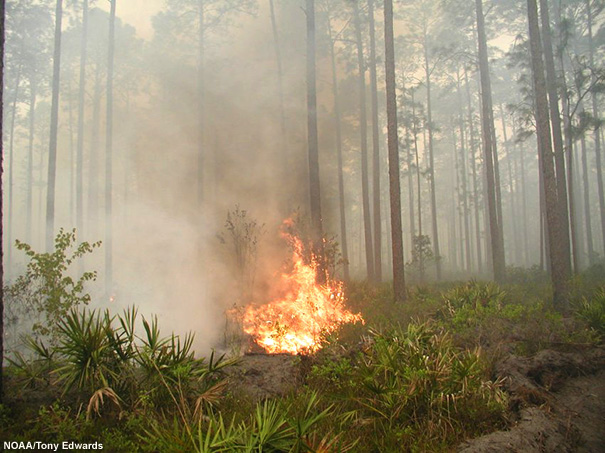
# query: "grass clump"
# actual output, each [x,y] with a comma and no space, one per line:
[410,387]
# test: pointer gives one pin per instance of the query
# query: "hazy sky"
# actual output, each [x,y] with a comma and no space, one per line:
[137,13]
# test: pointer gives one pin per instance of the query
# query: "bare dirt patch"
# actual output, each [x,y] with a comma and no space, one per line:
[263,376]
[560,401]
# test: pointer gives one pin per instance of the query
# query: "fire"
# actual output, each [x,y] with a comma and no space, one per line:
[294,323]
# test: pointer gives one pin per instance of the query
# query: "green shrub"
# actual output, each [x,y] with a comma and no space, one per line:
[592,311]
[47,289]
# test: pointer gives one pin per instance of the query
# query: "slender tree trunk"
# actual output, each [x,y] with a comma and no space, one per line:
[54,125]
[575,211]
[453,239]
[496,237]
[109,155]
[1,204]
[280,88]
[33,88]
[463,164]
[410,164]
[314,193]
[365,190]
[341,189]
[393,147]
[512,191]
[419,187]
[474,172]
[80,139]
[11,160]
[523,195]
[587,214]
[427,74]
[93,162]
[201,106]
[375,149]
[555,224]
[72,155]
[595,114]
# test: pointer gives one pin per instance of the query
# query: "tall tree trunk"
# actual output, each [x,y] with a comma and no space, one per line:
[419,187]
[363,124]
[463,164]
[427,75]
[595,114]
[375,149]
[11,170]
[496,237]
[587,214]
[512,190]
[523,195]
[1,204]
[280,88]
[72,155]
[109,155]
[471,125]
[80,139]
[555,225]
[33,88]
[93,161]
[410,164]
[200,105]
[393,148]
[341,187]
[54,125]
[557,136]
[314,192]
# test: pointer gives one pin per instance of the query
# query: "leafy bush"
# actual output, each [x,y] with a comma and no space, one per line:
[47,288]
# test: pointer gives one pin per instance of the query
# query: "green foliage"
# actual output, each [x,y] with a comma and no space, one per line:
[414,387]
[592,311]
[273,426]
[47,287]
[84,344]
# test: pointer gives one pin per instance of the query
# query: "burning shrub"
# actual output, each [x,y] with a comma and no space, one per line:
[307,310]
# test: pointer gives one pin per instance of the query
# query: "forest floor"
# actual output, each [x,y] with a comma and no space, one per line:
[557,398]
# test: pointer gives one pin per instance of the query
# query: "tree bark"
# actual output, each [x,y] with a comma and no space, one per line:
[201,107]
[30,157]
[495,227]
[93,161]
[80,139]
[554,223]
[429,111]
[109,155]
[557,136]
[341,190]
[1,205]
[393,148]
[463,164]
[280,88]
[363,124]
[471,125]
[375,150]
[54,124]
[587,214]
[11,161]
[595,114]
[313,146]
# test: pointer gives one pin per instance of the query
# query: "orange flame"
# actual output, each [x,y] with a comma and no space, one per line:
[294,323]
